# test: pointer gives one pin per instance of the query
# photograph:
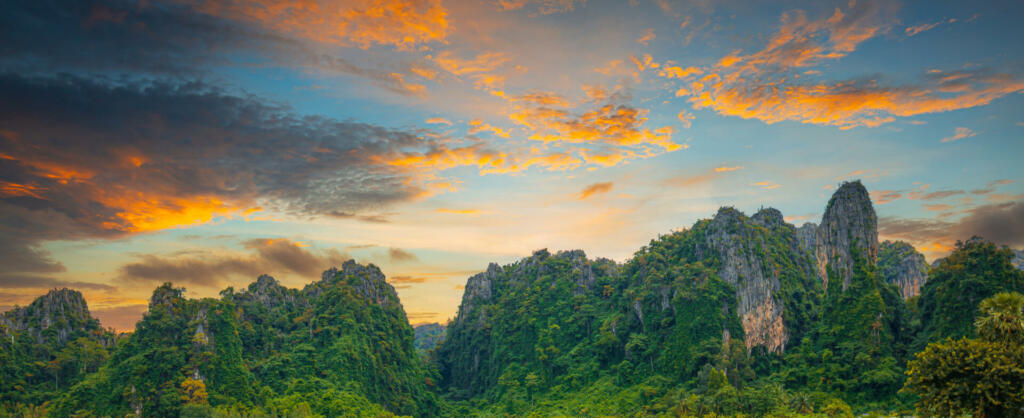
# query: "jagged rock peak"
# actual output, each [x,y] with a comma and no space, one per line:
[368,281]
[265,281]
[268,291]
[727,214]
[480,286]
[900,264]
[849,225]
[165,295]
[769,218]
[63,308]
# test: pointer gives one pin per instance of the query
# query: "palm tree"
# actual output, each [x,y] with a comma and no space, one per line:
[801,403]
[1001,318]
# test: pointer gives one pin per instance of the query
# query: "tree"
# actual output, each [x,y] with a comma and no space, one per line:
[1002,318]
[983,377]
[950,299]
[195,391]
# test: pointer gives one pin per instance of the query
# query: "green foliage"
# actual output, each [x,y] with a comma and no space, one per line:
[976,270]
[851,353]
[41,358]
[551,335]
[342,346]
[983,377]
[428,336]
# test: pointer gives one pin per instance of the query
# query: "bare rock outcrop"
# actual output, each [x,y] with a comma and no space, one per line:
[900,264]
[849,226]
[741,245]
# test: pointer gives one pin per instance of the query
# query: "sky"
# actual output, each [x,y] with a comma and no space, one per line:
[208,142]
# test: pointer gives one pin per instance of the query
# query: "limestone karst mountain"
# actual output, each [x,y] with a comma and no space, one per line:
[900,264]
[849,226]
[762,282]
[345,338]
[56,316]
[48,346]
[734,307]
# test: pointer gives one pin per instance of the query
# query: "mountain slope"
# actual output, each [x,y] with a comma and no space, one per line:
[900,264]
[48,346]
[342,339]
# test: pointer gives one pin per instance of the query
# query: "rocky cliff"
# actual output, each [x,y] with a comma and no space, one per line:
[55,316]
[367,281]
[1018,259]
[760,256]
[900,264]
[848,228]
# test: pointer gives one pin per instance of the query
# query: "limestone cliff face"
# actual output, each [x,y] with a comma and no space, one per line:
[900,264]
[849,225]
[750,251]
[479,290]
[62,311]
[731,237]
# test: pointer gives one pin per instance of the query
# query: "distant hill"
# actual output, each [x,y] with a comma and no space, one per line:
[735,315]
[428,336]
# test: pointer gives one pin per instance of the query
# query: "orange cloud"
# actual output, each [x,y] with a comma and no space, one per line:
[766,185]
[439,121]
[483,63]
[544,7]
[914,30]
[9,189]
[759,86]
[938,207]
[487,161]
[724,168]
[882,197]
[729,60]
[613,66]
[543,99]
[477,126]
[616,125]
[845,104]
[643,63]
[685,118]
[647,37]
[459,211]
[596,188]
[959,133]
[679,72]
[361,23]
[145,212]
[424,72]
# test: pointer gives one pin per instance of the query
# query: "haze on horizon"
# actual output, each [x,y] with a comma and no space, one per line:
[208,142]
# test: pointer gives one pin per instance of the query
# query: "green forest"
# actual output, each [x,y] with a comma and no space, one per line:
[734,316]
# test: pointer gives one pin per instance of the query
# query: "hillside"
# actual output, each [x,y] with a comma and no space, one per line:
[735,315]
[778,313]
[339,346]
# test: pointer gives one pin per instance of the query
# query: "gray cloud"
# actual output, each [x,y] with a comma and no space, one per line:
[81,153]
[18,281]
[269,256]
[399,255]
[162,38]
[1002,223]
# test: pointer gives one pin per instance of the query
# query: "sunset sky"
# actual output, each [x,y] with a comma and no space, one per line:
[207,142]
